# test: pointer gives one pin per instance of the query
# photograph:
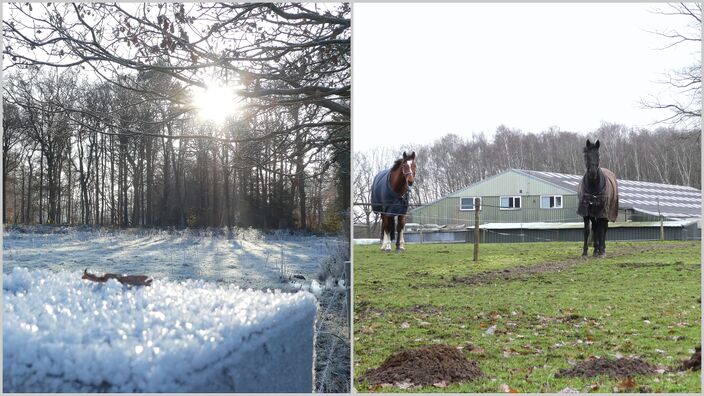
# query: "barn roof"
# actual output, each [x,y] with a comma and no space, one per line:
[675,202]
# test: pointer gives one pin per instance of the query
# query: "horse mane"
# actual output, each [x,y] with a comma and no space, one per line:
[397,164]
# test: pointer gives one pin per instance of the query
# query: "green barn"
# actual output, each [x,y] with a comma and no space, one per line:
[546,201]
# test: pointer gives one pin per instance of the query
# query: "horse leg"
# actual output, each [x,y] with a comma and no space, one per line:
[400,243]
[389,233]
[595,236]
[586,237]
[384,232]
[602,236]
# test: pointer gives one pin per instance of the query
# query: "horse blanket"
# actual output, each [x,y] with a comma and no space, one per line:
[602,203]
[384,199]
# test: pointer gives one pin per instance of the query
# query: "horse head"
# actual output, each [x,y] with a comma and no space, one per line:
[408,167]
[591,159]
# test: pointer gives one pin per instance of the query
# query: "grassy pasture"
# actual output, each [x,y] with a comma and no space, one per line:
[642,300]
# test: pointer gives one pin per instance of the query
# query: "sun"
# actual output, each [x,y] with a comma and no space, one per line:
[215,103]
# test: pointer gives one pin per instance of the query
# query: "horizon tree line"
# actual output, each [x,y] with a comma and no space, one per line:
[665,155]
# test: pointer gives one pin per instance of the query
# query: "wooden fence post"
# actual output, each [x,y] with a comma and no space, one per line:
[476,229]
[662,229]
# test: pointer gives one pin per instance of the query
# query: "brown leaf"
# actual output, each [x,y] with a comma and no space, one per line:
[626,385]
[477,350]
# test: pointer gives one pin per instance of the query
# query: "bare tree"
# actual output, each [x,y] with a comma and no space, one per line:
[686,81]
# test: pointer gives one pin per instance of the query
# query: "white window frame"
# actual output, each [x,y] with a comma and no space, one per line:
[520,198]
[562,201]
[472,198]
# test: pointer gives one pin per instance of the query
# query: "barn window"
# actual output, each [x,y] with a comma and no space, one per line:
[467,203]
[551,201]
[507,202]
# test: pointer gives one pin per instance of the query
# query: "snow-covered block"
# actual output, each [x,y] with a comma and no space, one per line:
[64,334]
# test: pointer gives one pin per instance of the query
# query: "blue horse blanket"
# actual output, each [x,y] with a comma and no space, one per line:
[384,199]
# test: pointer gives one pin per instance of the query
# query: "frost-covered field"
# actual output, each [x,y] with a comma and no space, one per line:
[249,259]
[62,334]
[191,317]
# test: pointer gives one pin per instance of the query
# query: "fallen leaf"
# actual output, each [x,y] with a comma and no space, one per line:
[403,385]
[569,390]
[507,389]
[477,350]
[405,325]
[441,384]
[627,384]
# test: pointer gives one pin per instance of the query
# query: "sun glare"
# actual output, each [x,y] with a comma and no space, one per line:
[215,103]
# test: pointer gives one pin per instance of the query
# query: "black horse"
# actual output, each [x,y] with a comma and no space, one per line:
[598,199]
[390,196]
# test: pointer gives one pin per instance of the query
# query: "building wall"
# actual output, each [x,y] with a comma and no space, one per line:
[511,183]
[447,212]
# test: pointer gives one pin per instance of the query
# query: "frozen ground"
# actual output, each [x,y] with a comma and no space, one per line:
[246,258]
[63,334]
[249,259]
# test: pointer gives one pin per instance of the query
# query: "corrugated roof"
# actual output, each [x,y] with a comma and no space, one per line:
[675,202]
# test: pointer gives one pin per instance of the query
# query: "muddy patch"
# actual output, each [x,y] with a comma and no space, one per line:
[515,272]
[523,272]
[615,368]
[695,362]
[679,266]
[436,364]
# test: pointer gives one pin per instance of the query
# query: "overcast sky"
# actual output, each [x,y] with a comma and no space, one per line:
[421,71]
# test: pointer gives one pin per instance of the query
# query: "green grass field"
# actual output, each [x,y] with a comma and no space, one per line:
[642,300]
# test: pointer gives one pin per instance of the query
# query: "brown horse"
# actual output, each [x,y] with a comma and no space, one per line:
[598,199]
[390,197]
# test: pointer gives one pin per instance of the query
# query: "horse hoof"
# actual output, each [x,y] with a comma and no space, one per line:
[387,250]
[400,250]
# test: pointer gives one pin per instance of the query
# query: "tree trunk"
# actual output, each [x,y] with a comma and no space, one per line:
[41,187]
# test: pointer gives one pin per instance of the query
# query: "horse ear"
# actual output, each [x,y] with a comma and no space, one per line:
[413,155]
[596,144]
[405,157]
[589,143]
